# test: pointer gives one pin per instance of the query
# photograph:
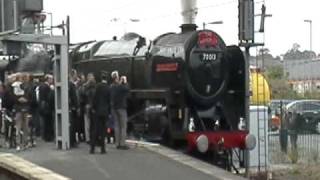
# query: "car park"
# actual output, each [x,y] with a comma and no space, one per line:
[305,116]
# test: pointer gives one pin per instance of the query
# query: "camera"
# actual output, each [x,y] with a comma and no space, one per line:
[123,79]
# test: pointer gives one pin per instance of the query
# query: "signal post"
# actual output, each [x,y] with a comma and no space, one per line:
[246,40]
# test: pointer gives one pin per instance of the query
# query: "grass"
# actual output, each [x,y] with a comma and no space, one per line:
[293,156]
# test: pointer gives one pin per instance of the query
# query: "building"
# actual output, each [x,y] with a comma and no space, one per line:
[303,75]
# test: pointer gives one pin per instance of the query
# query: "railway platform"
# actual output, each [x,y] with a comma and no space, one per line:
[141,161]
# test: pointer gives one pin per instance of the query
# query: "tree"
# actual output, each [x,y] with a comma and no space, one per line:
[264,53]
[308,54]
[275,72]
[296,47]
[280,88]
[295,54]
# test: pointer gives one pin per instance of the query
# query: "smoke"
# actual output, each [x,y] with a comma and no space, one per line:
[189,11]
[35,60]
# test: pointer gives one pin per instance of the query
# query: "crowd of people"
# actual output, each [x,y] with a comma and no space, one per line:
[97,103]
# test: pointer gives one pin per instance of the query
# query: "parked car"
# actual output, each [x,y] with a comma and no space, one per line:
[305,116]
[275,106]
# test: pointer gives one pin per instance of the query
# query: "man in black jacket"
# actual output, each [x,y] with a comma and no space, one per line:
[73,109]
[46,106]
[100,107]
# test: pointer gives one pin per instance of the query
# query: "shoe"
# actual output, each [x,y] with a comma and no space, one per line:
[18,148]
[7,144]
[29,145]
[91,151]
[103,152]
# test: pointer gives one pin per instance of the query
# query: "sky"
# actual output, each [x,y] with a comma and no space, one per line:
[92,20]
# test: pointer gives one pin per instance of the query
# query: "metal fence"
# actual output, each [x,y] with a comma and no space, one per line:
[293,130]
[293,147]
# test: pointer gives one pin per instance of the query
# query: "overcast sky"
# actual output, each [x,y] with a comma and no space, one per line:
[91,20]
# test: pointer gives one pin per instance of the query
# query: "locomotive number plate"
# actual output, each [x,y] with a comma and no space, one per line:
[207,57]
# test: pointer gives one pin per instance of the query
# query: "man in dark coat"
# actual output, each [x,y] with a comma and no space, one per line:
[100,108]
[46,109]
[73,108]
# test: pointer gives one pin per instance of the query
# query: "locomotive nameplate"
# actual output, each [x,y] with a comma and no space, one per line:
[167,67]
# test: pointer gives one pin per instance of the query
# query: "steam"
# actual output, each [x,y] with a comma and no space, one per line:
[189,11]
[36,60]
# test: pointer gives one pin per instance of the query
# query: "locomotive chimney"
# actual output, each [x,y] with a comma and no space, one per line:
[189,12]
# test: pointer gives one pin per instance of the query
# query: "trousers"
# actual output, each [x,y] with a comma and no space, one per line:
[87,117]
[120,119]
[98,132]
[22,123]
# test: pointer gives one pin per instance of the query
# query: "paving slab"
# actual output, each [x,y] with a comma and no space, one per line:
[137,163]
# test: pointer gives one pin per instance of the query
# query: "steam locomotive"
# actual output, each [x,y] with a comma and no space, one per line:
[184,86]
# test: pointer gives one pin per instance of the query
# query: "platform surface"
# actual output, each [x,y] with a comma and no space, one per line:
[138,163]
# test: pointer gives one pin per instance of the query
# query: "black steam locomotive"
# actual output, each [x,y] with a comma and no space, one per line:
[190,81]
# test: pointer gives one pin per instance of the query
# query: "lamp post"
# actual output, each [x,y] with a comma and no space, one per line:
[214,22]
[310,22]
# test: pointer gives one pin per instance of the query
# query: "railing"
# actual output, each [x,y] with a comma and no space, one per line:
[294,147]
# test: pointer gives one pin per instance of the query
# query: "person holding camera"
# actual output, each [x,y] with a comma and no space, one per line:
[119,92]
